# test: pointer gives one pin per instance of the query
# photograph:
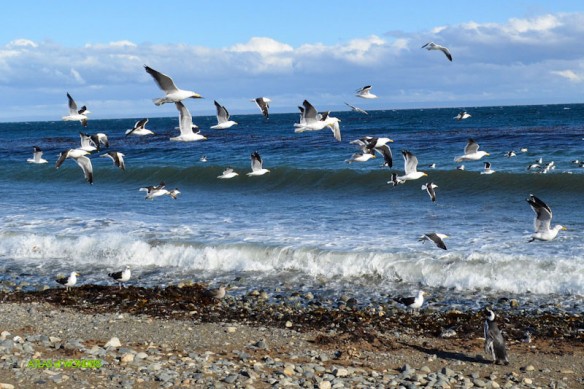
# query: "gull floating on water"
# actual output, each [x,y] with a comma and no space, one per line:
[257,165]
[410,168]
[37,156]
[487,169]
[227,174]
[121,276]
[116,157]
[434,46]
[494,342]
[263,104]
[429,187]
[510,154]
[356,109]
[435,237]
[203,158]
[173,94]
[471,152]
[139,129]
[311,120]
[462,115]
[412,302]
[74,113]
[68,281]
[542,221]
[154,191]
[186,126]
[365,93]
[80,158]
[223,121]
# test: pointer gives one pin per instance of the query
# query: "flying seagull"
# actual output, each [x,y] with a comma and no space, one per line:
[37,156]
[429,187]
[462,115]
[365,93]
[311,120]
[434,46]
[257,165]
[542,221]
[154,191]
[173,94]
[223,121]
[395,181]
[68,281]
[121,276]
[74,113]
[412,302]
[227,174]
[186,126]
[264,105]
[364,156]
[378,144]
[79,156]
[116,157]
[139,129]
[410,168]
[356,109]
[435,237]
[494,342]
[471,152]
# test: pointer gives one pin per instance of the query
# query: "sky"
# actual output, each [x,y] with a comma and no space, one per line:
[504,53]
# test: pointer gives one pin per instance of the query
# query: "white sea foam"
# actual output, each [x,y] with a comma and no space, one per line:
[476,271]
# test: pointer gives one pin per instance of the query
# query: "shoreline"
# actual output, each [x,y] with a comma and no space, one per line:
[257,344]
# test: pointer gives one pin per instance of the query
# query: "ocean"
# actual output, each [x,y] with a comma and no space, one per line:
[315,222]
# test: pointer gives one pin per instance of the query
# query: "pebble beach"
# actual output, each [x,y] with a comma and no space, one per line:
[179,337]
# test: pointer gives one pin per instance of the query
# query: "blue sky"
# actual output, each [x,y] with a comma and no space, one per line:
[505,52]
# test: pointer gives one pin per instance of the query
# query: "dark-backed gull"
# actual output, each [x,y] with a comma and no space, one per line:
[542,221]
[429,188]
[139,129]
[37,156]
[494,342]
[487,169]
[410,168]
[435,237]
[154,191]
[80,157]
[263,104]
[356,109]
[365,93]
[172,93]
[68,281]
[311,120]
[412,303]
[116,157]
[74,113]
[223,121]
[121,276]
[462,115]
[257,165]
[471,152]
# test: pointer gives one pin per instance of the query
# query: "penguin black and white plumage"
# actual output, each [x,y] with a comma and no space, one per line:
[494,342]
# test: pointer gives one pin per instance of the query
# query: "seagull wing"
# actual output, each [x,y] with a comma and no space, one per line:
[256,161]
[471,147]
[85,164]
[72,105]
[264,106]
[436,239]
[164,82]
[222,114]
[410,162]
[446,52]
[310,113]
[543,214]
[387,157]
[185,120]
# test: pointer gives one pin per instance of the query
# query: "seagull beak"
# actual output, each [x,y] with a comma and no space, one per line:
[487,154]
[391,140]
[564,228]
[197,96]
[426,174]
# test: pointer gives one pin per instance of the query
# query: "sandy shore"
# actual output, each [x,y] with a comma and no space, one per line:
[177,337]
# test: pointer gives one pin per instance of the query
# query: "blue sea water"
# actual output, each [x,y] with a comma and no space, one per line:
[314,222]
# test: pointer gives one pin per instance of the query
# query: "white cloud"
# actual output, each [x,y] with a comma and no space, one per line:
[262,46]
[569,75]
[22,43]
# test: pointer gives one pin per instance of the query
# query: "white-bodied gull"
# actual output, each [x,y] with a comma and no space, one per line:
[412,303]
[365,93]
[186,126]
[228,173]
[487,169]
[173,94]
[223,121]
[263,104]
[410,168]
[37,156]
[471,152]
[378,144]
[75,114]
[121,276]
[311,120]
[154,191]
[116,157]
[68,281]
[356,109]
[257,168]
[542,221]
[80,158]
[462,115]
[434,46]
[139,129]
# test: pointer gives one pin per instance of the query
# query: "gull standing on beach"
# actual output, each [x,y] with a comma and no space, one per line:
[311,120]
[173,94]
[74,113]
[121,276]
[365,93]
[80,158]
[412,303]
[263,104]
[139,129]
[37,156]
[68,281]
[542,221]
[471,152]
[186,126]
[223,121]
[410,168]
[257,165]
[434,46]
[494,342]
